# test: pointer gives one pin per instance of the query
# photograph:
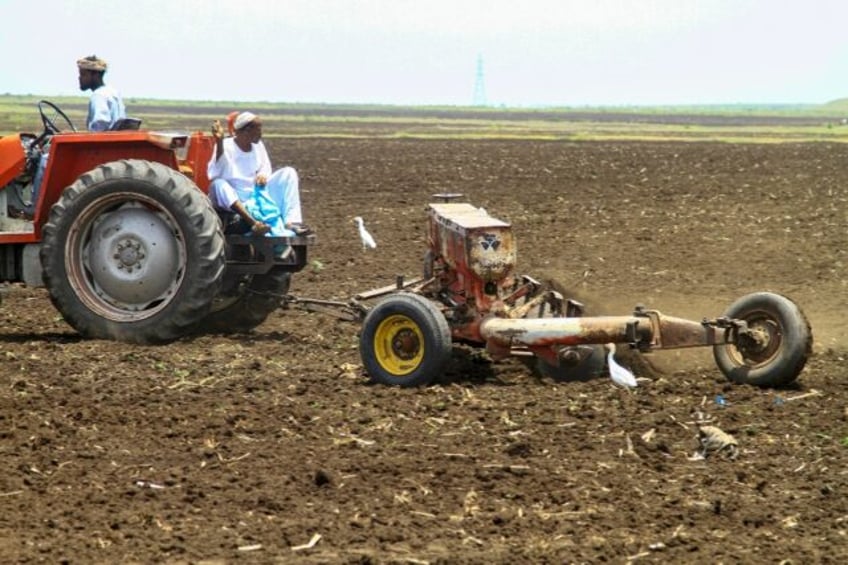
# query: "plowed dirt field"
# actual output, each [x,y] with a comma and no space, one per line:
[273,447]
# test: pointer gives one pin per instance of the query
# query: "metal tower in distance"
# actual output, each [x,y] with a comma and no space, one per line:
[479,84]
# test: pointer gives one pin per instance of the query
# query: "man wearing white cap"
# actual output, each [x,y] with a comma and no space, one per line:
[239,165]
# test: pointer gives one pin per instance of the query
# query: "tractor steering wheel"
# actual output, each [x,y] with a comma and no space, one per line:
[50,126]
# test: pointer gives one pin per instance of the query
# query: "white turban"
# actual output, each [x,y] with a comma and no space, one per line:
[243,120]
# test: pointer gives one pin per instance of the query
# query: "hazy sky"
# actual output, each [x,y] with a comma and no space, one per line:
[534,52]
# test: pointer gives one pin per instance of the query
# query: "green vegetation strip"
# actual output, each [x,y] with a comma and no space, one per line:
[730,124]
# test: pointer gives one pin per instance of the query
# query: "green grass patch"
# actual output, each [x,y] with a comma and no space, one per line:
[724,123]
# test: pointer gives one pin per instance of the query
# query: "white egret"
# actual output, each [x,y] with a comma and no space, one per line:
[367,240]
[620,375]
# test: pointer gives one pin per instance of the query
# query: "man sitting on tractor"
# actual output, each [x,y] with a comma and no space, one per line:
[105,106]
[105,109]
[242,181]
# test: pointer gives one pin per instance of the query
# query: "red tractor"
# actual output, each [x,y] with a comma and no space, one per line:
[470,294]
[125,239]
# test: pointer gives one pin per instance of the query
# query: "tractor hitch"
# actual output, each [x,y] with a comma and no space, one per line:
[353,309]
[350,311]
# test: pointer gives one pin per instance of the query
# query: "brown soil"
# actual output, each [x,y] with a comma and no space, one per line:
[222,449]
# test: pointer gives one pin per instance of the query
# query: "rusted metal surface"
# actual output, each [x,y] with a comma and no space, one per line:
[542,332]
[471,241]
[653,331]
[675,333]
[471,260]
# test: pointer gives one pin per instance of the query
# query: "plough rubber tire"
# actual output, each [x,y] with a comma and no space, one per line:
[789,345]
[405,341]
[132,251]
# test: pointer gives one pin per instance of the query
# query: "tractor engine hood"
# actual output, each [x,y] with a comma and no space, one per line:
[12,157]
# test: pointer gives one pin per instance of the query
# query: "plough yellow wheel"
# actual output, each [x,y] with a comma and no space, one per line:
[405,341]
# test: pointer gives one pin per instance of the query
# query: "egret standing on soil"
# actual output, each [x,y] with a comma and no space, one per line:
[620,375]
[367,240]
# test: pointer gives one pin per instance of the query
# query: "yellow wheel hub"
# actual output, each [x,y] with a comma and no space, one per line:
[399,345]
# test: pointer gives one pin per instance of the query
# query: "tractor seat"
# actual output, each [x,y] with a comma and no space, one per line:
[126,124]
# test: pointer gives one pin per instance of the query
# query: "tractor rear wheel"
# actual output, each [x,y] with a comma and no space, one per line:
[780,345]
[405,341]
[133,251]
[250,303]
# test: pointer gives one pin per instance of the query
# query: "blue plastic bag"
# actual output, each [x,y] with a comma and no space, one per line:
[265,210]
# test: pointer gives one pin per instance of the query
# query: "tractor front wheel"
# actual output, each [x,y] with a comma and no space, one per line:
[133,251]
[405,341]
[775,349]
